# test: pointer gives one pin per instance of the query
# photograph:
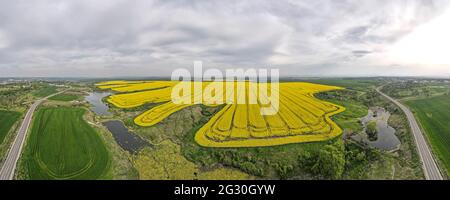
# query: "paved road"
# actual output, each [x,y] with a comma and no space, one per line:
[9,166]
[429,165]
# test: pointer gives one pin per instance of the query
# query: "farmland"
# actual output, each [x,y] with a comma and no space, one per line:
[15,96]
[434,116]
[410,89]
[62,145]
[7,120]
[301,117]
[64,97]
[44,90]
[174,152]
[333,158]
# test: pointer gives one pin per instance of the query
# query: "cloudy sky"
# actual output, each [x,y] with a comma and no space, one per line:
[152,38]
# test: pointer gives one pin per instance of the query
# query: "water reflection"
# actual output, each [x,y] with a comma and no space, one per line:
[95,99]
[386,138]
[126,139]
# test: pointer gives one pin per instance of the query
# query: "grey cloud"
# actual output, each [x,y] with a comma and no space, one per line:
[361,53]
[107,38]
[356,34]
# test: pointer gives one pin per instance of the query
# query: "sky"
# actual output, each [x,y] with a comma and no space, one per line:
[110,38]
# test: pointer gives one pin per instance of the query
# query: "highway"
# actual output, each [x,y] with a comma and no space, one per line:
[9,166]
[429,165]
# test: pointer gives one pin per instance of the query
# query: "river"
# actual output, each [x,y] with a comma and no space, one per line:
[95,99]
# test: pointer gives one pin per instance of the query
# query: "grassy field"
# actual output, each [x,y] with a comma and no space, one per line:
[64,97]
[44,91]
[63,146]
[349,119]
[434,117]
[165,162]
[7,120]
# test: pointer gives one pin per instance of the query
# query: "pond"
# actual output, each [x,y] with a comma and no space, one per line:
[126,139]
[386,138]
[98,106]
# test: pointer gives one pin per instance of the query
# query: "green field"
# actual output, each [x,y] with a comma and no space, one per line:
[64,97]
[7,120]
[63,146]
[45,91]
[433,114]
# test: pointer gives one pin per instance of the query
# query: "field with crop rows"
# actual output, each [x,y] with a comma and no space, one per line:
[7,120]
[433,116]
[62,145]
[300,117]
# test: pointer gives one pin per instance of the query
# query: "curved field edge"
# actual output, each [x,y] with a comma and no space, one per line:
[291,161]
[62,145]
[203,140]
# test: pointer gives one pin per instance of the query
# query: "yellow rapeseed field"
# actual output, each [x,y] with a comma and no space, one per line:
[300,118]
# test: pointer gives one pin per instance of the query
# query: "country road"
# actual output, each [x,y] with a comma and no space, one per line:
[9,166]
[429,165]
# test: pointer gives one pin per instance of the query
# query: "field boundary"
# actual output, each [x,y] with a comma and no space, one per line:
[436,156]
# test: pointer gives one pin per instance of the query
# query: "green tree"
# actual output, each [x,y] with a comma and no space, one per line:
[371,130]
[330,161]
